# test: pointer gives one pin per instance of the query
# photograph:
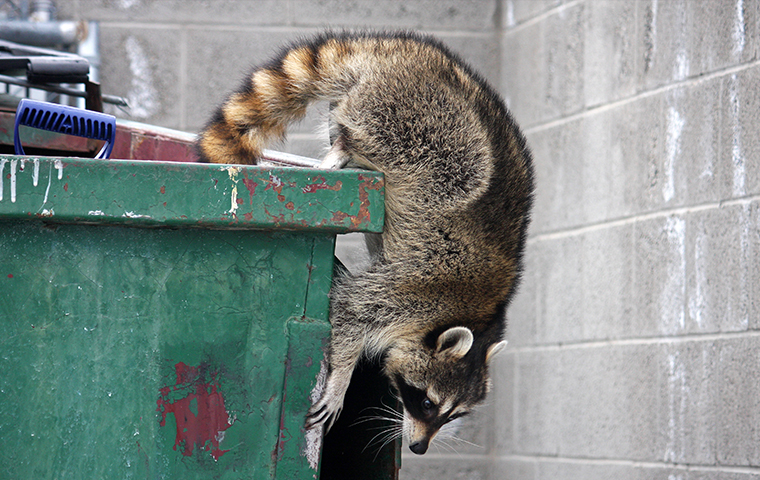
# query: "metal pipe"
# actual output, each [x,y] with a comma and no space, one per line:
[43,34]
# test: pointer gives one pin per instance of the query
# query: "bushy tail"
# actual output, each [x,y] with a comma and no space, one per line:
[275,95]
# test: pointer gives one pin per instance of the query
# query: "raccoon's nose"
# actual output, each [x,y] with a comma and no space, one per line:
[419,447]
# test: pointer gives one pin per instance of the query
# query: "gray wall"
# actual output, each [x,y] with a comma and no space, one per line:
[634,343]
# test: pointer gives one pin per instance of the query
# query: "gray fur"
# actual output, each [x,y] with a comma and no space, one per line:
[459,186]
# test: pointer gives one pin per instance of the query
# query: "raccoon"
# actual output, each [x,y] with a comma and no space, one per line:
[459,188]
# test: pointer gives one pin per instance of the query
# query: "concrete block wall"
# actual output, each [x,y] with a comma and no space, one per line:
[634,343]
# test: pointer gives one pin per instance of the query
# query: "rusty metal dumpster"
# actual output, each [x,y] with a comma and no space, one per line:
[166,320]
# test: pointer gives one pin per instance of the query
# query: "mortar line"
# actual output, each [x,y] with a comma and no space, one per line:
[590,111]
[540,17]
[633,219]
[298,29]
[629,463]
[443,456]
[622,342]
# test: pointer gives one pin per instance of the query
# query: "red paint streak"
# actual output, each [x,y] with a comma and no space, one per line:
[251,186]
[322,186]
[10,275]
[363,215]
[200,414]
[65,187]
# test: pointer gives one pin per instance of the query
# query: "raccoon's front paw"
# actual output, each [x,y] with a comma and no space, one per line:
[327,409]
[324,414]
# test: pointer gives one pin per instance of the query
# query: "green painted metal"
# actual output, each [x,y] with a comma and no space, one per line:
[155,326]
[221,196]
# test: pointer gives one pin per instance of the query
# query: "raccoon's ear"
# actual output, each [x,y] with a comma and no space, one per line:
[455,342]
[494,349]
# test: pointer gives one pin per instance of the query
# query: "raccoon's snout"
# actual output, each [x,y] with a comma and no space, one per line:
[419,447]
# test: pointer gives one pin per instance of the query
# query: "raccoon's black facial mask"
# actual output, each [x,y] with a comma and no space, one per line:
[416,401]
[421,407]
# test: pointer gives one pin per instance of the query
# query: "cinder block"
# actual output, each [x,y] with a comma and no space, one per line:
[585,470]
[542,65]
[513,469]
[417,14]
[523,311]
[143,65]
[740,135]
[682,402]
[452,467]
[611,52]
[718,271]
[684,40]
[502,396]
[559,294]
[691,150]
[606,274]
[754,273]
[578,288]
[589,470]
[211,77]
[178,12]
[678,263]
[515,12]
[735,401]
[558,164]
[660,281]
[480,51]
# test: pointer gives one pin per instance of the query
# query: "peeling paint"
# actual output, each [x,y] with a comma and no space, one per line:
[47,190]
[36,172]
[14,162]
[2,176]
[135,215]
[314,436]
[321,184]
[204,425]
[59,166]
[233,173]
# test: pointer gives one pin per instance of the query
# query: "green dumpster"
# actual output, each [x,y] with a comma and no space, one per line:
[166,320]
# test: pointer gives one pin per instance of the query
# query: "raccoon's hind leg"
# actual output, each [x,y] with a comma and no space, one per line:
[337,157]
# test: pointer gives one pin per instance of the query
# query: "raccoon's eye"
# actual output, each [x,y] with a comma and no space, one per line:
[427,405]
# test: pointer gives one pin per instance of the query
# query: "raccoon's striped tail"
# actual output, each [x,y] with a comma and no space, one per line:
[274,96]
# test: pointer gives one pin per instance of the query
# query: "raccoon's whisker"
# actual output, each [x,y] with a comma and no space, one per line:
[386,442]
[384,437]
[441,442]
[462,440]
[378,418]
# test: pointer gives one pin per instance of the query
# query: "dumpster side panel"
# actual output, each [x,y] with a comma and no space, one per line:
[145,353]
